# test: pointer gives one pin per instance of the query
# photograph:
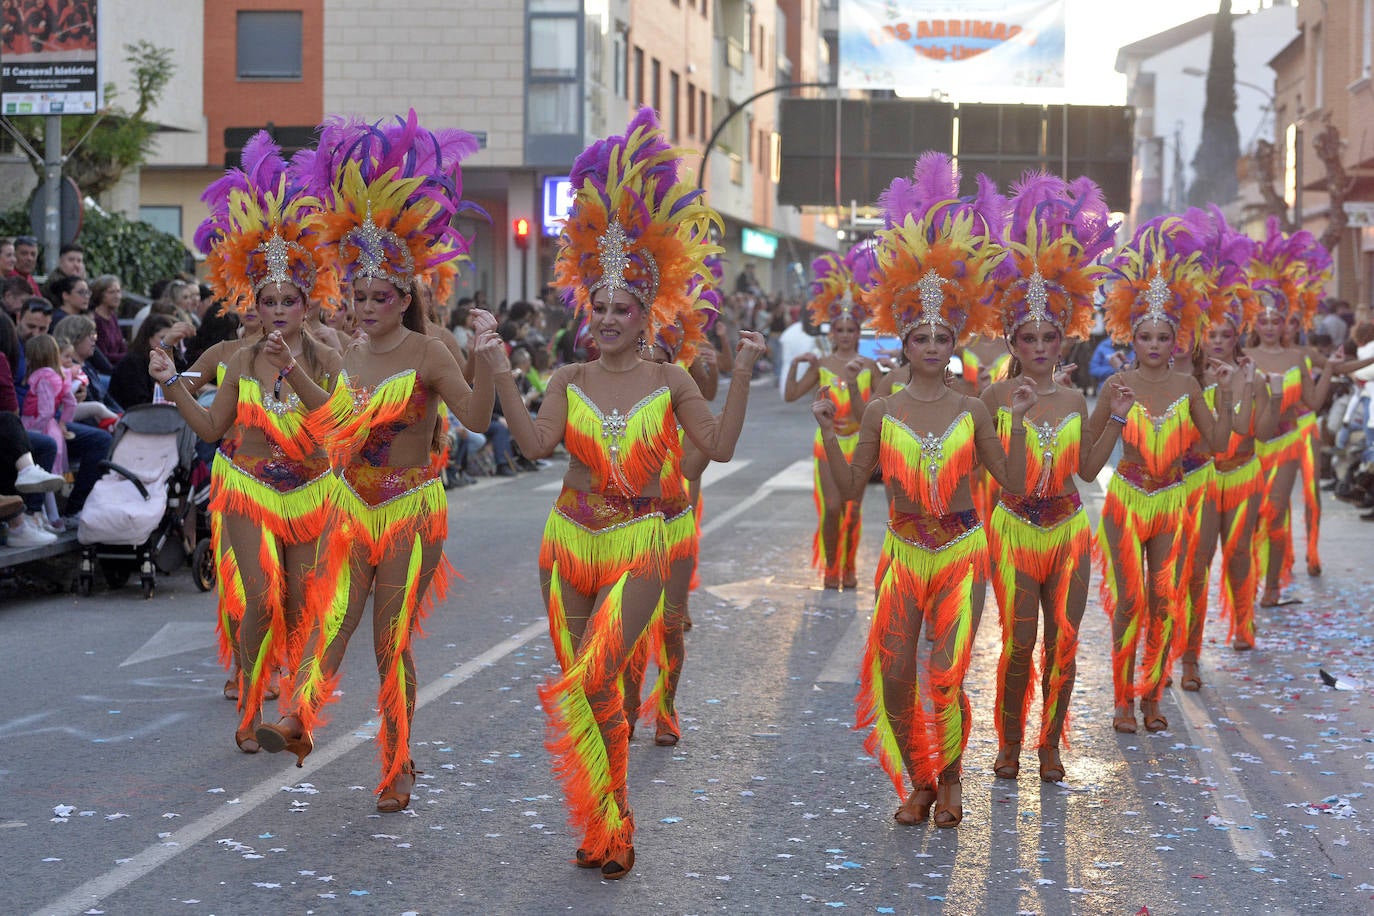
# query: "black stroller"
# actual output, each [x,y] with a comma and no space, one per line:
[135,517]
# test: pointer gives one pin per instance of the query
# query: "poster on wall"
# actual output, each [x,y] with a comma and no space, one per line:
[48,59]
[970,50]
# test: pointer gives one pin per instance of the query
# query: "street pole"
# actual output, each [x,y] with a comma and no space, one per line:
[715,134]
[52,190]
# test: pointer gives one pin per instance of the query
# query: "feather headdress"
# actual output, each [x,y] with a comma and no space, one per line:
[684,338]
[1288,272]
[635,227]
[390,191]
[1154,279]
[937,252]
[834,294]
[261,230]
[1226,255]
[1056,234]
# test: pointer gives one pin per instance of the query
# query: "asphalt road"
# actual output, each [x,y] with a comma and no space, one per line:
[121,790]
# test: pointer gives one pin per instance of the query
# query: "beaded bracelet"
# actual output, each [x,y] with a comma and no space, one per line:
[285,371]
[1119,419]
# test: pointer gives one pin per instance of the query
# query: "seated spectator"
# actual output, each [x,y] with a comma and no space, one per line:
[178,300]
[130,384]
[106,294]
[21,476]
[26,262]
[76,343]
[71,262]
[1108,359]
[34,319]
[15,292]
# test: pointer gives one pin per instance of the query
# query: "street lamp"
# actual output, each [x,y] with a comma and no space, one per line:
[1198,71]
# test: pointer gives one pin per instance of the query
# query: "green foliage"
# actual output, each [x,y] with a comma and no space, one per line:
[134,251]
[118,139]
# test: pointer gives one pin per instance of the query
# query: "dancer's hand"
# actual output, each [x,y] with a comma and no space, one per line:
[277,352]
[1063,375]
[806,359]
[482,320]
[1120,397]
[751,347]
[492,351]
[706,355]
[854,366]
[823,409]
[1023,398]
[1275,380]
[160,365]
[1221,371]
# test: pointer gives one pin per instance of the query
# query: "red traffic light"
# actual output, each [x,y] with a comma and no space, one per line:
[521,228]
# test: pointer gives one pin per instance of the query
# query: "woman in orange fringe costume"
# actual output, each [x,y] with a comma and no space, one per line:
[391,190]
[630,258]
[1227,508]
[1287,272]
[1041,541]
[270,479]
[932,264]
[665,642]
[848,380]
[1154,300]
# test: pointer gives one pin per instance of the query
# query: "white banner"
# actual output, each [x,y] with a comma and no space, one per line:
[971,51]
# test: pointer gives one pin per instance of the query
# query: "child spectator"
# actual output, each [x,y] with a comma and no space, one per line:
[49,405]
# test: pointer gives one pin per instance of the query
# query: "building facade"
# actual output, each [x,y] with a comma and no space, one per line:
[535,80]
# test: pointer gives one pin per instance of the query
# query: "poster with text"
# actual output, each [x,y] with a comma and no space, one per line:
[48,57]
[971,51]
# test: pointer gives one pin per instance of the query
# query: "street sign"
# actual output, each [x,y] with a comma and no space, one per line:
[1359,214]
[50,61]
[70,209]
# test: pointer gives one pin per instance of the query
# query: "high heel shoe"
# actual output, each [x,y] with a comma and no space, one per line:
[231,689]
[1123,719]
[247,741]
[1191,679]
[1154,719]
[665,734]
[1051,767]
[949,807]
[1008,762]
[916,809]
[1243,644]
[832,583]
[390,801]
[850,579]
[619,862]
[274,739]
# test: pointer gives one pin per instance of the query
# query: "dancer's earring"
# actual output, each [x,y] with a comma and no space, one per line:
[642,345]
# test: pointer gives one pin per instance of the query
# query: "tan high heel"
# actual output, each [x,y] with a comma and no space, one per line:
[1008,762]
[1192,678]
[1051,767]
[247,741]
[1123,719]
[916,809]
[390,801]
[1154,719]
[618,864]
[949,807]
[274,739]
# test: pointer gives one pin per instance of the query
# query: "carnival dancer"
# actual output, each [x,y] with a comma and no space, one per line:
[848,378]
[1041,541]
[629,258]
[1228,507]
[270,479]
[1154,301]
[933,260]
[665,642]
[1283,270]
[390,190]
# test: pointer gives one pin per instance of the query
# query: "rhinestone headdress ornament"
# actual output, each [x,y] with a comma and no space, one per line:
[1289,272]
[377,253]
[834,290]
[279,255]
[614,250]
[1226,256]
[930,290]
[1157,296]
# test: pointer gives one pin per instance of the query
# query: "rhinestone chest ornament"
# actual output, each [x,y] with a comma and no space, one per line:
[613,428]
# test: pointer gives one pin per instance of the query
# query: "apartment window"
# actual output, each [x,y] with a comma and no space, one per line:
[638,77]
[1318,66]
[748,139]
[553,46]
[656,83]
[674,85]
[760,47]
[775,157]
[164,218]
[691,110]
[763,153]
[269,44]
[619,63]
[701,115]
[1367,45]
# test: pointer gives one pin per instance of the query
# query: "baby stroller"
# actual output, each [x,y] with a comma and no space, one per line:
[134,517]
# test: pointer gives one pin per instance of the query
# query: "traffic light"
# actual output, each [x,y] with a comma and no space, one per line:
[521,228]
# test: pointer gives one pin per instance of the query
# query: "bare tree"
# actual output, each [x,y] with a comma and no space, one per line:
[1266,167]
[1328,144]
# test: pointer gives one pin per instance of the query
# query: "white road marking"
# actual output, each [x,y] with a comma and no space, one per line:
[116,879]
[1232,803]
[799,475]
[174,639]
[842,667]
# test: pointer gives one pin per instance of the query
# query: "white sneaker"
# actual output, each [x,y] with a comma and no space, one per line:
[34,479]
[28,536]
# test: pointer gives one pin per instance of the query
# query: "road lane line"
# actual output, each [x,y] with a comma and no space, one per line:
[1250,845]
[121,876]
[842,667]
